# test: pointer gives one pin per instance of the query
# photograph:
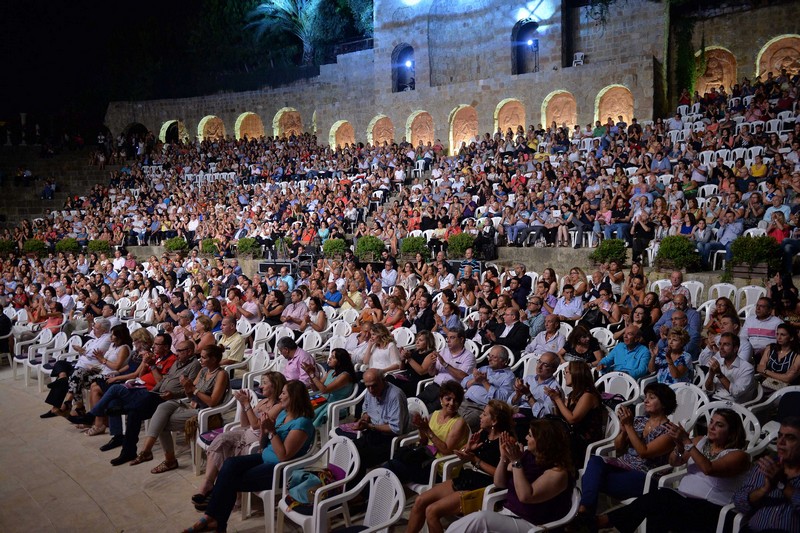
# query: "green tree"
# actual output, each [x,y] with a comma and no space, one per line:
[313,22]
[361,12]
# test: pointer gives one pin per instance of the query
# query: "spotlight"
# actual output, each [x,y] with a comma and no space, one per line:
[408,64]
[530,42]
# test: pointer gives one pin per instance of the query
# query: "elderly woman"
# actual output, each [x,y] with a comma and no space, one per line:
[98,366]
[234,443]
[208,389]
[202,336]
[669,359]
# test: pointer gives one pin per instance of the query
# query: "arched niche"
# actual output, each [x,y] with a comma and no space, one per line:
[778,53]
[403,68]
[613,101]
[287,121]
[342,133]
[720,69]
[210,127]
[137,129]
[419,128]
[173,131]
[509,113]
[463,127]
[525,47]
[380,130]
[249,125]
[559,106]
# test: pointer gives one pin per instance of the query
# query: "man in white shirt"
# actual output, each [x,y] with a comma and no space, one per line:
[454,362]
[728,324]
[729,377]
[549,340]
[446,280]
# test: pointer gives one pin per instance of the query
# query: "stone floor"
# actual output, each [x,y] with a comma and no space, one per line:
[54,478]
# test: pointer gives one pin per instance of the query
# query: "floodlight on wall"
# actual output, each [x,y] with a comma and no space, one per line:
[409,64]
[530,42]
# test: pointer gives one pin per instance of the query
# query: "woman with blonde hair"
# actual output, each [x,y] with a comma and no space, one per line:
[381,352]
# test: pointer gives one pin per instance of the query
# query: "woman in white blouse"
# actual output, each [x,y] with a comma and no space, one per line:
[381,352]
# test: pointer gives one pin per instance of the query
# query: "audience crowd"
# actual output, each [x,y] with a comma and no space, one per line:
[500,357]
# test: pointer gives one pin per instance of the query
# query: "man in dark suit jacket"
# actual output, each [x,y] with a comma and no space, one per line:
[424,320]
[512,333]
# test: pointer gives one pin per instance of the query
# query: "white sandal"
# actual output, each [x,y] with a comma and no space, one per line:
[95,430]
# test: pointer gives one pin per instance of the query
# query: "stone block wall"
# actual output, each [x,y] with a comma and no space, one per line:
[746,33]
[468,42]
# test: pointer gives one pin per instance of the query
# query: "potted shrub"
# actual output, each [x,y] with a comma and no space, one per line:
[99,246]
[411,246]
[369,248]
[755,257]
[334,248]
[247,246]
[458,244]
[209,246]
[176,244]
[610,250]
[677,252]
[7,247]
[68,245]
[34,247]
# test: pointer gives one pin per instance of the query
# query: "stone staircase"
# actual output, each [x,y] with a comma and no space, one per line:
[72,173]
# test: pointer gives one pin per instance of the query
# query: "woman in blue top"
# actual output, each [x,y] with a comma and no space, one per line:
[336,385]
[288,437]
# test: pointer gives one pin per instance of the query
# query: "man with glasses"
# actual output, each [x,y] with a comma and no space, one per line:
[679,319]
[549,340]
[512,333]
[535,317]
[478,328]
[454,362]
[385,416]
[492,382]
[529,392]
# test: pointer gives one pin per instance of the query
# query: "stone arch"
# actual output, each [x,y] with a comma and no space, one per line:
[380,130]
[136,128]
[287,121]
[779,52]
[403,68]
[249,125]
[525,47]
[509,113]
[463,126]
[210,127]
[720,69]
[612,101]
[173,131]
[560,106]
[419,128]
[342,133]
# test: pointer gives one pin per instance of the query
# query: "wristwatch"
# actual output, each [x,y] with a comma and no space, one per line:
[517,464]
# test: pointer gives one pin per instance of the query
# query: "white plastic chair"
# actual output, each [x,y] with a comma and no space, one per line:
[696,289]
[604,337]
[620,383]
[310,341]
[690,398]
[262,333]
[386,502]
[659,284]
[22,349]
[404,337]
[349,315]
[752,426]
[339,451]
[706,309]
[718,290]
[341,328]
[750,293]
[44,359]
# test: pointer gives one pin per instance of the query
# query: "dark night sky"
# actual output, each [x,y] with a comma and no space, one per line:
[68,59]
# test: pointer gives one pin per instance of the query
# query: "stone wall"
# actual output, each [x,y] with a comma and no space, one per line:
[472,46]
[745,33]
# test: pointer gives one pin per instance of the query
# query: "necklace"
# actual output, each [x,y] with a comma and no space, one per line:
[708,452]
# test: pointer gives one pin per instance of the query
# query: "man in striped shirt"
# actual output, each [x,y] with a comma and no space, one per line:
[760,328]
